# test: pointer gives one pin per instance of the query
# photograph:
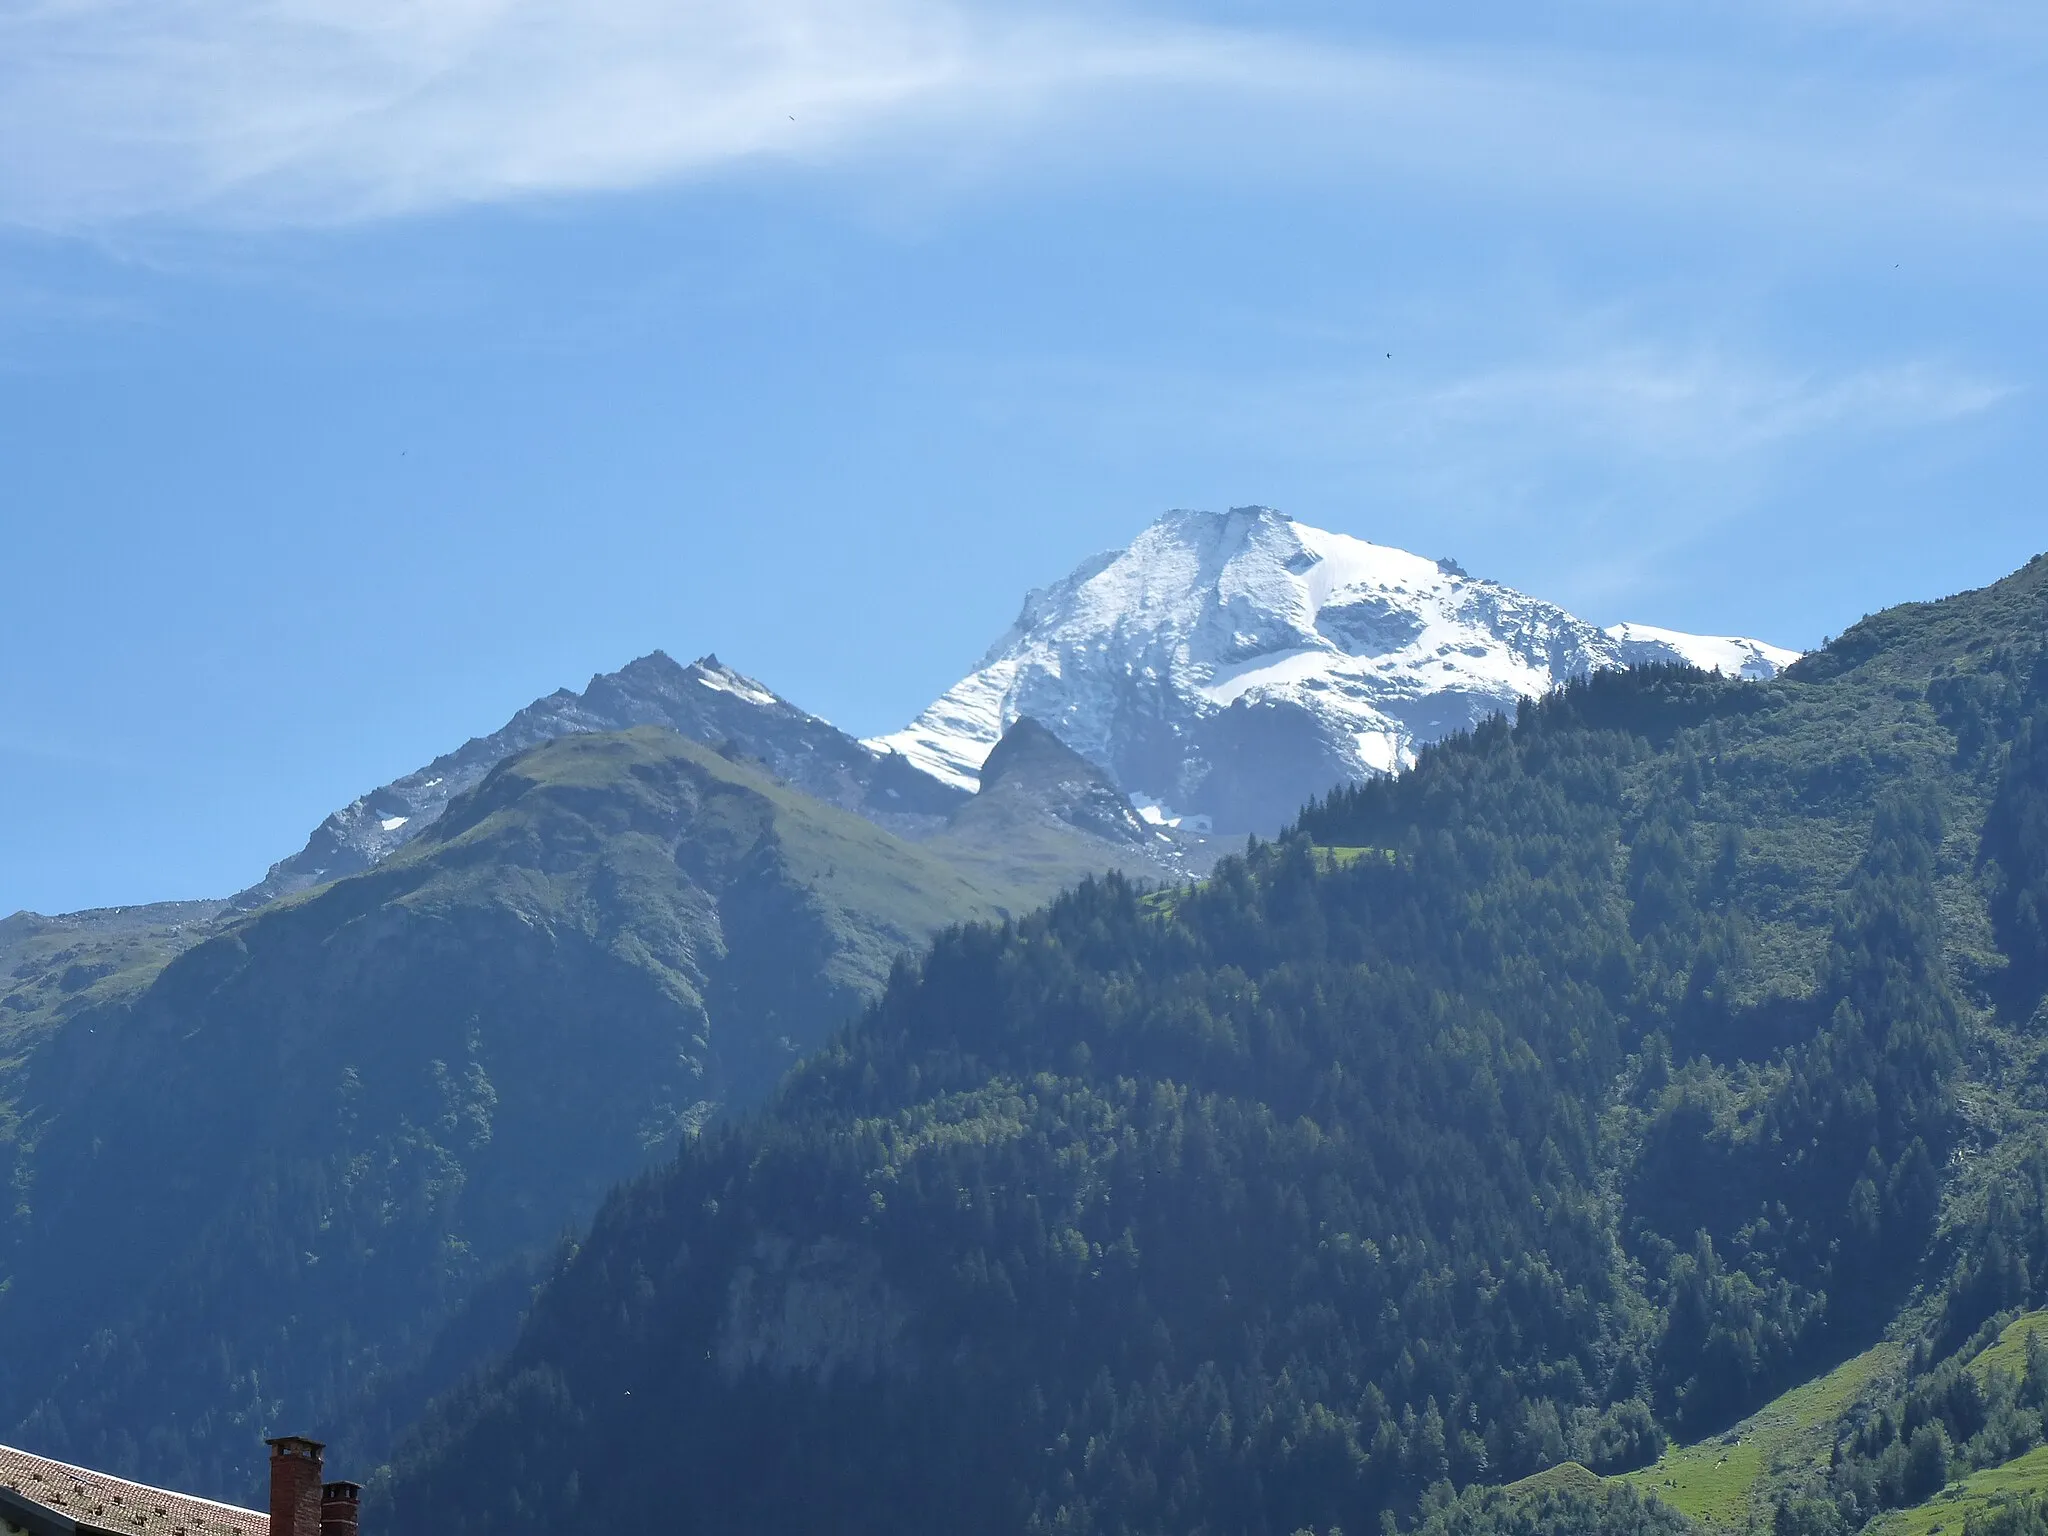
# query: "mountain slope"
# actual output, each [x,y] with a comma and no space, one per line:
[706,701]
[255,1190]
[1044,816]
[54,967]
[1232,666]
[1585,1085]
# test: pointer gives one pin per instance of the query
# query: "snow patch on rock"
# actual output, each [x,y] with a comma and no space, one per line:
[1729,654]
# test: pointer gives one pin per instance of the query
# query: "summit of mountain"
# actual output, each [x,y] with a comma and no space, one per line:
[706,701]
[1225,668]
[1031,762]
[1044,816]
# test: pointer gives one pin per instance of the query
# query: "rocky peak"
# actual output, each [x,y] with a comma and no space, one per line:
[706,701]
[1031,765]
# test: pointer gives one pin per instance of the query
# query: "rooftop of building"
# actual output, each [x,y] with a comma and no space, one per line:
[115,1504]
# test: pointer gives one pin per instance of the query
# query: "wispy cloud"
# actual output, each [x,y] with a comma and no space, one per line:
[1641,454]
[328,110]
[1677,407]
[311,111]
[1685,409]
[1591,467]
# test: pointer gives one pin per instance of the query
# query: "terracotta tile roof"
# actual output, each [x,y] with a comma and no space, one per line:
[114,1504]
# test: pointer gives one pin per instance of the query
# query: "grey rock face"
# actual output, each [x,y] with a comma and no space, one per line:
[1031,766]
[817,1311]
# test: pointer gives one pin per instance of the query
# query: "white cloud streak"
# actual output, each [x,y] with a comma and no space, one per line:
[1630,454]
[330,110]
[1704,407]
[245,112]
[1686,410]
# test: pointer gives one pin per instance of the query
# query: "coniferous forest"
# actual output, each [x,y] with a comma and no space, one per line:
[1619,1066]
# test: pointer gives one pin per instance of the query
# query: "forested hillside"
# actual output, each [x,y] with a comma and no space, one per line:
[1615,1068]
[309,1169]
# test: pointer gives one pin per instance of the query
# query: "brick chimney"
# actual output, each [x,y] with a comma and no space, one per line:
[295,1487]
[338,1506]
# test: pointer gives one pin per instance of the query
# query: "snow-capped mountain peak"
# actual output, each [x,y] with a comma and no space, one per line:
[1229,665]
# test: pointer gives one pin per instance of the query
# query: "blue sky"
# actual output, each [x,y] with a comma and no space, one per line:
[369,368]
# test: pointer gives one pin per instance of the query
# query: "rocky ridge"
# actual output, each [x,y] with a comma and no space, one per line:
[705,701]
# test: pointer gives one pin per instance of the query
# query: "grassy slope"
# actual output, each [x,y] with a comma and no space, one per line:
[1728,1480]
[1028,858]
[54,967]
[2024,1475]
[582,834]
[1723,1480]
[2009,1352]
[882,895]
[1565,1477]
[56,971]
[887,894]
[1947,1510]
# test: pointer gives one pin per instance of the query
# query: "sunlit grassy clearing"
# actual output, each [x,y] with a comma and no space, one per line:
[2009,1354]
[1715,1480]
[1947,1510]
